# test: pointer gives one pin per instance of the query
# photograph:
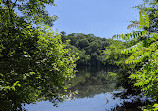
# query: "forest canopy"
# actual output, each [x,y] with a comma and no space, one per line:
[90,49]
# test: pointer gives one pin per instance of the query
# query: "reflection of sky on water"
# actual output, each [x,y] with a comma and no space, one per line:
[93,86]
[97,103]
[94,90]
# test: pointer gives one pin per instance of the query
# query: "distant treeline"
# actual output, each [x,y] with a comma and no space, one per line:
[90,49]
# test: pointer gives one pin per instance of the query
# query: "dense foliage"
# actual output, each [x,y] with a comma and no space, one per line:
[34,63]
[139,69]
[146,52]
[89,48]
[114,56]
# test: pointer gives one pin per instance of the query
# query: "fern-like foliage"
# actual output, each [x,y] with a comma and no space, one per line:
[145,52]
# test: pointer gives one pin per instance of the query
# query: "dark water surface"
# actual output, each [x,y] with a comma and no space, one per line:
[95,93]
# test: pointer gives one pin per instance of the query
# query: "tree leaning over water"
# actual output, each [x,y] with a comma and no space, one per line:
[142,57]
[34,63]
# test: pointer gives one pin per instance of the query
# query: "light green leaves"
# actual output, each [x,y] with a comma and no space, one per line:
[143,55]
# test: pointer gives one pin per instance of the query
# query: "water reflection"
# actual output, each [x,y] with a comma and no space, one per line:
[95,93]
[93,85]
[92,81]
[97,103]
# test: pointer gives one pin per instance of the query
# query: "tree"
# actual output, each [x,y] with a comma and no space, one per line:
[144,54]
[34,63]
[88,47]
[83,43]
[31,10]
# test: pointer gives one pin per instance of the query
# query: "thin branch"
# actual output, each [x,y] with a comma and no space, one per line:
[14,4]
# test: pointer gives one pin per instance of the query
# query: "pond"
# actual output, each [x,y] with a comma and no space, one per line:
[95,93]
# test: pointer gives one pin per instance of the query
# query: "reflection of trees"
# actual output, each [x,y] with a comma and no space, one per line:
[133,103]
[92,81]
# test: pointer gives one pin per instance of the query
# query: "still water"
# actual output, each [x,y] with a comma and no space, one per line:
[95,93]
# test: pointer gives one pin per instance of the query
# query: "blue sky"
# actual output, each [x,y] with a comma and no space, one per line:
[103,18]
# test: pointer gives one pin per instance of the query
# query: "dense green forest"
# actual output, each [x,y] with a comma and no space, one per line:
[90,49]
